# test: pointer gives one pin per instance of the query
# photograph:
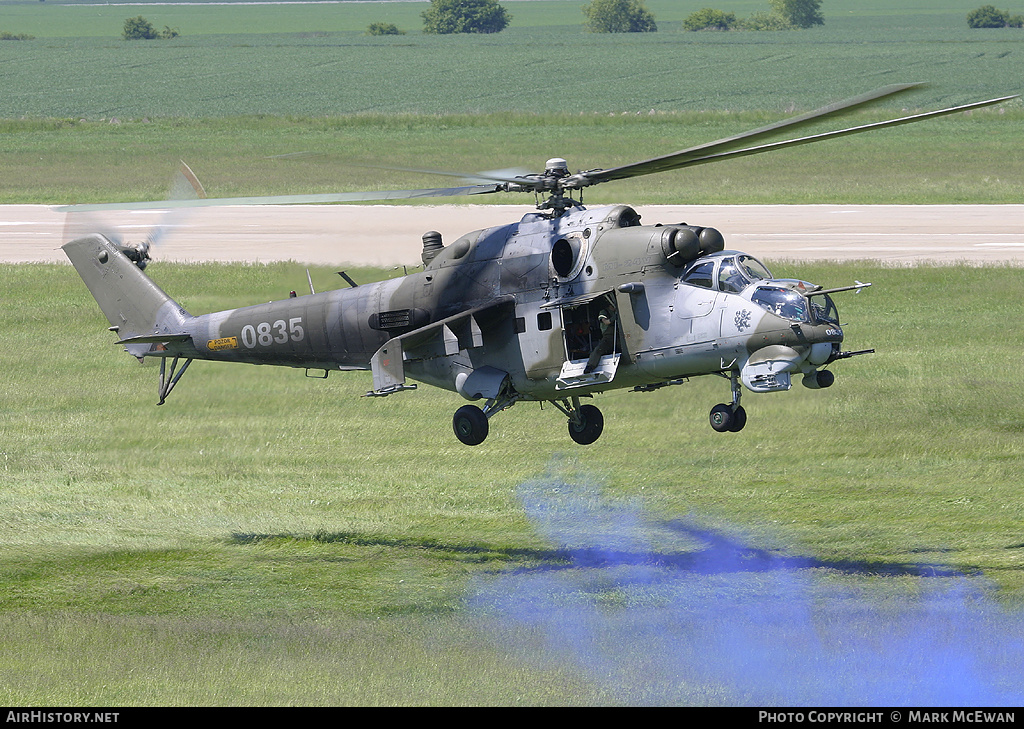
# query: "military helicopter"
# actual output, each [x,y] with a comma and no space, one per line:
[566,303]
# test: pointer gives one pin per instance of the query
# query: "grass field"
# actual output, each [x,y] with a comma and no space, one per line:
[963,159]
[321,548]
[268,539]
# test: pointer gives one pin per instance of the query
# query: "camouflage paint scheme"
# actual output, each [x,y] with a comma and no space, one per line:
[489,315]
[513,312]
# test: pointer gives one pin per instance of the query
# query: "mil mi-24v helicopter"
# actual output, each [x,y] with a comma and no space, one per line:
[565,303]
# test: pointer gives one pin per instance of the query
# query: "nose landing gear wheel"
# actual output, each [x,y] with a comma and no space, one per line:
[588,426]
[725,419]
[730,417]
[470,425]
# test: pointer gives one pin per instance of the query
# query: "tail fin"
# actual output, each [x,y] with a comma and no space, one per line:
[135,306]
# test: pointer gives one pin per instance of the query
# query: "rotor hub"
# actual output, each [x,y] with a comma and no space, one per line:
[556,166]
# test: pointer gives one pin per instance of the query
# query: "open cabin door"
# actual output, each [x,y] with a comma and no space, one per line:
[592,350]
[540,341]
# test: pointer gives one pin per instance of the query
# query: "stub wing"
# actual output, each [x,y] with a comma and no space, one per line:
[445,337]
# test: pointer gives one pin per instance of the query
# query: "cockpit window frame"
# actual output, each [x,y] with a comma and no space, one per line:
[826,312]
[699,265]
[780,300]
[743,261]
[731,272]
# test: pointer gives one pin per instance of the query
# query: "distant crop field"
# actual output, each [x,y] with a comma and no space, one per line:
[92,117]
[317,60]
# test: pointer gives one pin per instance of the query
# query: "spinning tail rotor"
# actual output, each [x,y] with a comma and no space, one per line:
[185,190]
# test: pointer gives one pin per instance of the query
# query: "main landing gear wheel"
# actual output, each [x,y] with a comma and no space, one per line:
[725,419]
[739,419]
[587,426]
[470,425]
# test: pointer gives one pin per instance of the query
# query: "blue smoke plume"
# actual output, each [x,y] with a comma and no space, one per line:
[676,612]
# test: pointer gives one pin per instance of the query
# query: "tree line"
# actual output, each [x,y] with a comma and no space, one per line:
[606,16]
[601,16]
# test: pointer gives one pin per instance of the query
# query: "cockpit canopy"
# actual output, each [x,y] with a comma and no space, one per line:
[734,272]
[782,302]
[727,271]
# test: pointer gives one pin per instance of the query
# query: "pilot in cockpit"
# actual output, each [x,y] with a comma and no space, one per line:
[730,279]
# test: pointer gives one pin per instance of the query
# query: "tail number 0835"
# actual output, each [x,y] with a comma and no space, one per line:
[265,334]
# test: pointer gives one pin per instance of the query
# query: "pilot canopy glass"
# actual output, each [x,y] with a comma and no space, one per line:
[823,309]
[731,273]
[782,302]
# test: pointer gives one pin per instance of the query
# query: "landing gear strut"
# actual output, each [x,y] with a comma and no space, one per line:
[586,423]
[730,418]
[167,382]
[471,424]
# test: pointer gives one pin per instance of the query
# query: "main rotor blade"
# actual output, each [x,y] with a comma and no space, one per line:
[840,133]
[289,199]
[514,176]
[185,185]
[681,158]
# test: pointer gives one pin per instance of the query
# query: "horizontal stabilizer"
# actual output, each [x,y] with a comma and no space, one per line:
[157,339]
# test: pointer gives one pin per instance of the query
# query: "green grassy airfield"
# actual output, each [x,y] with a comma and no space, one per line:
[268,539]
[277,539]
[952,160]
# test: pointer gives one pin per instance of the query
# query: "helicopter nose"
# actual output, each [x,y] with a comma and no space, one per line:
[820,353]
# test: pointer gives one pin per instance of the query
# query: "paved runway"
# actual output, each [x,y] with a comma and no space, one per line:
[392,234]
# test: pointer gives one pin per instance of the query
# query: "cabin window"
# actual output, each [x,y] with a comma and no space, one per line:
[544,321]
[520,324]
[730,279]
